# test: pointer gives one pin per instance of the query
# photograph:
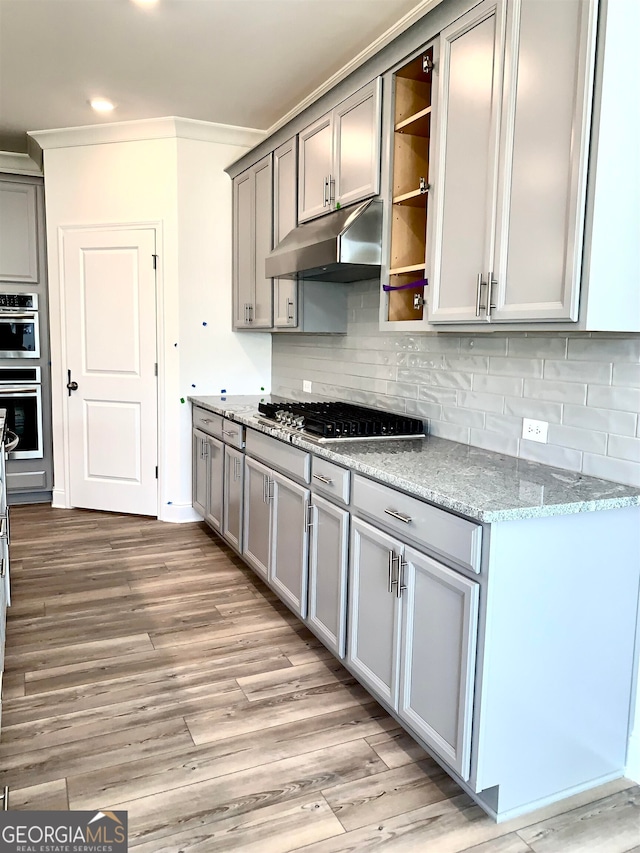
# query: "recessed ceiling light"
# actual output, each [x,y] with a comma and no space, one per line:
[102,105]
[145,2]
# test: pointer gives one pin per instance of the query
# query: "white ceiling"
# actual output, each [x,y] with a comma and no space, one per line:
[239,62]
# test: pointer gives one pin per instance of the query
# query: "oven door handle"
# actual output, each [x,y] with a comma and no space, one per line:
[18,392]
[22,316]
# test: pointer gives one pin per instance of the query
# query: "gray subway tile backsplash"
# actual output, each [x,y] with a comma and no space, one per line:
[477,388]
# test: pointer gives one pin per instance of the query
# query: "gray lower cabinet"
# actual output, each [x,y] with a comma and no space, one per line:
[208,467]
[233,496]
[374,623]
[289,542]
[412,639]
[200,480]
[328,565]
[438,656]
[215,472]
[256,529]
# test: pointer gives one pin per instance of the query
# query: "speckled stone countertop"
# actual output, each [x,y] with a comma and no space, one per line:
[480,484]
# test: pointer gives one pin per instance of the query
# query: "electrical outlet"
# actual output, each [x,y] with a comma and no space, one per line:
[535,430]
[306,386]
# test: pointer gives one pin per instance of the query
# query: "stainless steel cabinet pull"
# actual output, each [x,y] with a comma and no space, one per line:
[237,468]
[2,569]
[308,523]
[229,431]
[270,489]
[400,585]
[490,304]
[4,798]
[207,421]
[326,480]
[391,582]
[264,488]
[290,309]
[332,190]
[479,286]
[251,312]
[406,519]
[325,194]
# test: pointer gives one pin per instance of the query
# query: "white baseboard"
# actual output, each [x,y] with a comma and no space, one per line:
[59,499]
[632,770]
[178,513]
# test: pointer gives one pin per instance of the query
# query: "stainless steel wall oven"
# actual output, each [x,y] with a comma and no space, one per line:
[21,396]
[19,325]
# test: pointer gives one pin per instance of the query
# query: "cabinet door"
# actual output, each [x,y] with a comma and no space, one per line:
[356,134]
[233,495]
[262,302]
[439,626]
[374,622]
[328,550]
[314,169]
[256,528]
[215,452]
[546,116]
[290,543]
[469,84]
[18,232]
[243,247]
[285,204]
[200,472]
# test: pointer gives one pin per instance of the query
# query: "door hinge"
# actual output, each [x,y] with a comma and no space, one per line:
[155,261]
[428,65]
[155,369]
[156,472]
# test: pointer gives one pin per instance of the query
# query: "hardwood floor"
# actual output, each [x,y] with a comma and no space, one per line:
[148,669]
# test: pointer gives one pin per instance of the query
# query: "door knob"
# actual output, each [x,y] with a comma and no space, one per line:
[72,386]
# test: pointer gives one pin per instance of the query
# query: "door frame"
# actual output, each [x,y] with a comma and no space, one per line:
[61,486]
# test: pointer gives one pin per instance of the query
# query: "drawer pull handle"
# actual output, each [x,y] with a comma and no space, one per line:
[3,570]
[4,798]
[229,431]
[406,519]
[400,586]
[326,480]
[391,581]
[207,420]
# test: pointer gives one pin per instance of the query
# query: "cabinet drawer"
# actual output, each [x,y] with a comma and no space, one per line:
[207,421]
[233,433]
[454,539]
[290,460]
[330,480]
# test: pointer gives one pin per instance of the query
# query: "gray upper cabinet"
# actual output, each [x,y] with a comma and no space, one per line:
[314,187]
[466,162]
[285,207]
[439,627]
[356,145]
[511,162]
[546,120]
[18,232]
[252,242]
[340,155]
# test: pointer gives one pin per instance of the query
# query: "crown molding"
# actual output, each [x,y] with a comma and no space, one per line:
[12,163]
[419,11]
[168,127]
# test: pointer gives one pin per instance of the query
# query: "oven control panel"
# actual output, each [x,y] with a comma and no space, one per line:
[18,300]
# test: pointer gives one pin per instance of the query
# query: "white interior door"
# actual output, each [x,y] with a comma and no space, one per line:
[110,313]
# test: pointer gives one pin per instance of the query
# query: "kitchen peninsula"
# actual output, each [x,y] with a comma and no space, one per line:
[489,603]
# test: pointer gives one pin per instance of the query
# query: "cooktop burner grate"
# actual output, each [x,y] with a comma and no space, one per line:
[333,421]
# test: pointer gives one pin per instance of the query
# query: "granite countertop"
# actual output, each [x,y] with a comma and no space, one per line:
[480,484]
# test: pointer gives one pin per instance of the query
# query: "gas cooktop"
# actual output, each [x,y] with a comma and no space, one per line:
[329,421]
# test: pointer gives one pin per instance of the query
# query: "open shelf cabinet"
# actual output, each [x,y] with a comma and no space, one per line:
[410,185]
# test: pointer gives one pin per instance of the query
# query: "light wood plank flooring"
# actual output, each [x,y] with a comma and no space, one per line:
[148,669]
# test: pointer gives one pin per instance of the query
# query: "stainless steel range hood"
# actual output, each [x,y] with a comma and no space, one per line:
[343,246]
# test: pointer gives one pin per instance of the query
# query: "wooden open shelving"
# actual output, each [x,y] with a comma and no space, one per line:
[412,131]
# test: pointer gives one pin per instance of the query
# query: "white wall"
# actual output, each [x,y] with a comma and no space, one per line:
[179,186]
